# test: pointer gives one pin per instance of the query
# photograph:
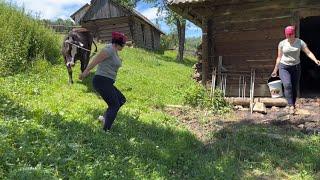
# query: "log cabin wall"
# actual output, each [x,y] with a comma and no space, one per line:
[156,36]
[102,28]
[145,35]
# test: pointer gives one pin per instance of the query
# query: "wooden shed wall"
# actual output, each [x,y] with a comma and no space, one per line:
[103,28]
[145,35]
[157,36]
[247,45]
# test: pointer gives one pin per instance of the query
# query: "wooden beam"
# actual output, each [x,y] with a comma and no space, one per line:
[205,51]
[279,102]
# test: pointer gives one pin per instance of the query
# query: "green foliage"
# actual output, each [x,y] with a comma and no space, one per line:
[23,40]
[192,43]
[59,21]
[197,96]
[169,41]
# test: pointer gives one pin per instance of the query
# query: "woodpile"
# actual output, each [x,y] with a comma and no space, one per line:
[197,75]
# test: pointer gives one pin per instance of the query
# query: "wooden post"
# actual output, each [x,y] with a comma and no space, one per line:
[206,47]
[131,26]
[204,51]
[295,21]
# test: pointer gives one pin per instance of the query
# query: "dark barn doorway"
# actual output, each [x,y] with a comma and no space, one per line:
[310,72]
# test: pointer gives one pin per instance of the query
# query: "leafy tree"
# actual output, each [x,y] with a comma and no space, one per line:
[173,20]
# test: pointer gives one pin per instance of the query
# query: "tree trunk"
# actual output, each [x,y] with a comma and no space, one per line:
[181,27]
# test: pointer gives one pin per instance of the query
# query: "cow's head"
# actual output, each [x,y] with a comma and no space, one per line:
[71,49]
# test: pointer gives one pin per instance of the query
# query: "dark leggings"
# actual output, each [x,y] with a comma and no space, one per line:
[111,95]
[290,77]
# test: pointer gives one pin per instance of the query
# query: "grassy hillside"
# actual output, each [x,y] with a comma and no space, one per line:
[24,40]
[49,130]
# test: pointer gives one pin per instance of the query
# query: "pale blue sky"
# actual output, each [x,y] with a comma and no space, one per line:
[54,9]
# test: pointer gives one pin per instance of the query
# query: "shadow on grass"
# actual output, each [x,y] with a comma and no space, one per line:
[259,151]
[43,144]
[187,61]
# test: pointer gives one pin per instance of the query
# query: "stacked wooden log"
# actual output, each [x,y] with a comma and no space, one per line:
[198,66]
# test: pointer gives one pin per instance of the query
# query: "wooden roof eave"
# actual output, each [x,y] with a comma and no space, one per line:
[187,13]
[84,6]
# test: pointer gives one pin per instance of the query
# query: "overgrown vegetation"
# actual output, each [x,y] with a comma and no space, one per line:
[170,41]
[23,40]
[197,96]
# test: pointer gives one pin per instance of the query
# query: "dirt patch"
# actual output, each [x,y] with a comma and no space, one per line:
[202,123]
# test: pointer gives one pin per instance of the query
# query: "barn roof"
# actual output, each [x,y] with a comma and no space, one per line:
[132,11]
[183,1]
[86,5]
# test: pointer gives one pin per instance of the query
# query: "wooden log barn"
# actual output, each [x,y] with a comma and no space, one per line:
[241,35]
[102,17]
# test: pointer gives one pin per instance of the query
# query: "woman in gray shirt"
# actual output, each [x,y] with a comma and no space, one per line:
[288,64]
[108,63]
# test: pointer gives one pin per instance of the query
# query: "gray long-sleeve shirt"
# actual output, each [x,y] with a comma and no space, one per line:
[110,66]
[291,53]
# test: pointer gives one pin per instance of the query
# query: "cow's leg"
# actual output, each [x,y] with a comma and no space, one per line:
[83,66]
[70,74]
[85,61]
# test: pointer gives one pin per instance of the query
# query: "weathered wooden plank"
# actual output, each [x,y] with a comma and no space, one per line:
[261,24]
[248,45]
[114,20]
[280,102]
[267,34]
[115,27]
[104,9]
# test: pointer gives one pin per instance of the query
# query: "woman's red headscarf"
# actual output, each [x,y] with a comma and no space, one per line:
[119,38]
[289,31]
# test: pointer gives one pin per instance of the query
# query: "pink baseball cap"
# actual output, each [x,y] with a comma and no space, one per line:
[289,31]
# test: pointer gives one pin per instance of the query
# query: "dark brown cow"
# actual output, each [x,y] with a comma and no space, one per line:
[77,46]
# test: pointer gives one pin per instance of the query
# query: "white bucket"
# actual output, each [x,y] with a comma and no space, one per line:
[275,88]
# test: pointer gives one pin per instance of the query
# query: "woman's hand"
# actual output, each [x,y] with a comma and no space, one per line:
[274,73]
[317,62]
[83,75]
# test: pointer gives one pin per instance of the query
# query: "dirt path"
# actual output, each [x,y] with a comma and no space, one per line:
[201,123]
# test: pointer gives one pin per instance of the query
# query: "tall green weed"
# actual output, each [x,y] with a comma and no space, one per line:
[197,96]
[23,40]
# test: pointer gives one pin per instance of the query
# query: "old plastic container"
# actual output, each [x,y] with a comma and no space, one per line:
[275,87]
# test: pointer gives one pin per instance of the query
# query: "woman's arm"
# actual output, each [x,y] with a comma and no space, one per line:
[96,60]
[276,67]
[311,55]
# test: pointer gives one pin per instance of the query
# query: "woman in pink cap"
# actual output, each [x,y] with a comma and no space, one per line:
[288,64]
[108,63]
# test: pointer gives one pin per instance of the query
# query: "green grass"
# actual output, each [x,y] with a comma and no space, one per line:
[49,130]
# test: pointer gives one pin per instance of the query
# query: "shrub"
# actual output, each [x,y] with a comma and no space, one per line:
[24,39]
[198,96]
